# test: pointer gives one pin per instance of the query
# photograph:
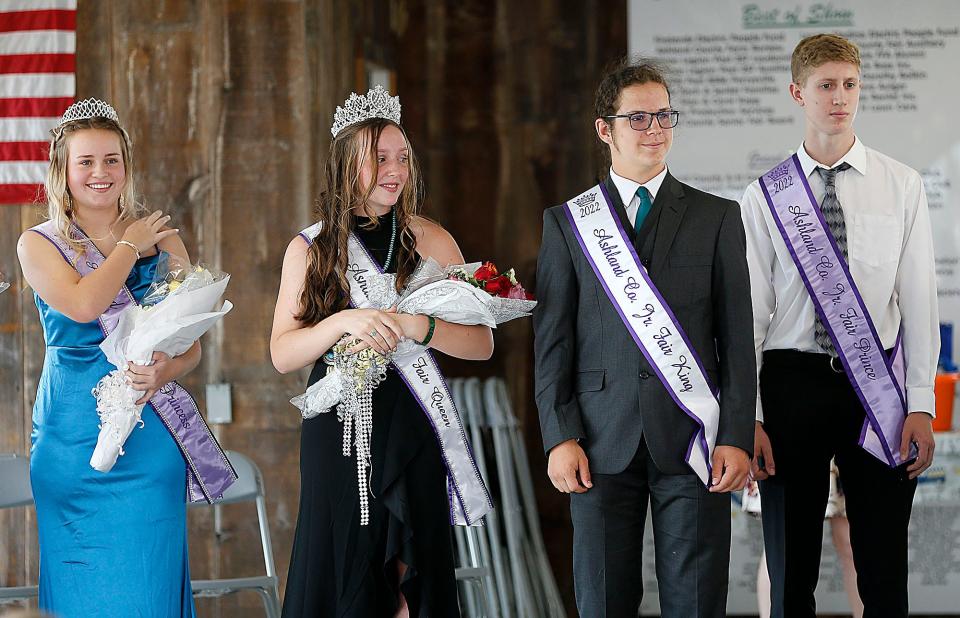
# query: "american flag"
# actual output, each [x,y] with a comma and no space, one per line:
[37,83]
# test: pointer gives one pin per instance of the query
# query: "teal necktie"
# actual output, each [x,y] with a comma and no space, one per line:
[643,209]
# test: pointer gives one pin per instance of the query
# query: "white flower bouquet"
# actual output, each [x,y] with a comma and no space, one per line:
[467,294]
[176,311]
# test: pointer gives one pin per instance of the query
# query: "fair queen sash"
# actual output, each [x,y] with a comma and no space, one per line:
[466,492]
[648,319]
[837,301]
[209,472]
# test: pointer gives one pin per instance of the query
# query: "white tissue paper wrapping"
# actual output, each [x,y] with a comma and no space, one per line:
[429,291]
[170,326]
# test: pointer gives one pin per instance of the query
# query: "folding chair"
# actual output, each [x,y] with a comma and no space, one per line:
[480,594]
[248,488]
[502,419]
[15,481]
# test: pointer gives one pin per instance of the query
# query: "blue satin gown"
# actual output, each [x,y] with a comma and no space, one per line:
[111,544]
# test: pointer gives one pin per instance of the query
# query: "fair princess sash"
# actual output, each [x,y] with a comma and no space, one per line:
[209,472]
[837,301]
[466,492]
[648,319]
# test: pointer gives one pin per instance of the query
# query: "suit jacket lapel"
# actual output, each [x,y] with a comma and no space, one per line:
[620,209]
[672,210]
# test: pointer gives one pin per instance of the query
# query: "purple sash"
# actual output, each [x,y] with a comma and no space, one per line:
[841,308]
[209,472]
[649,320]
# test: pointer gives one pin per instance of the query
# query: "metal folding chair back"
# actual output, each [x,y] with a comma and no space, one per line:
[482,599]
[512,542]
[16,492]
[544,586]
[248,488]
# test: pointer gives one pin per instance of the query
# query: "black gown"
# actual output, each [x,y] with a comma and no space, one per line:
[342,569]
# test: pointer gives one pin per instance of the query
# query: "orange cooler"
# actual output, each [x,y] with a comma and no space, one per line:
[944,390]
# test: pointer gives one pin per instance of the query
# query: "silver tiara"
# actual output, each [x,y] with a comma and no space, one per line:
[89,108]
[377,103]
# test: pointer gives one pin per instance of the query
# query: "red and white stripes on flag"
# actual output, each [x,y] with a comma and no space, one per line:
[37,84]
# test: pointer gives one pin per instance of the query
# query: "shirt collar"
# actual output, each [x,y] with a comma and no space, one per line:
[856,157]
[628,188]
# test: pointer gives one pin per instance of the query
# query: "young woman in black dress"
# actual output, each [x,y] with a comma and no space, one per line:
[401,564]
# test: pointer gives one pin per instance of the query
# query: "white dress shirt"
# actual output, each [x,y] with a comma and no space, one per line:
[628,191]
[890,248]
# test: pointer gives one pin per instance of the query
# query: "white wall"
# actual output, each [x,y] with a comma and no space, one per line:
[729,68]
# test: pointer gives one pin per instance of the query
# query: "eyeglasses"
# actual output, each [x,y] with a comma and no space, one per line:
[641,121]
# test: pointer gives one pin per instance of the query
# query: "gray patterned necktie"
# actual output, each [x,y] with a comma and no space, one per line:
[833,215]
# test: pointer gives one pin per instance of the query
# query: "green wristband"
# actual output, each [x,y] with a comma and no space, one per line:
[433,326]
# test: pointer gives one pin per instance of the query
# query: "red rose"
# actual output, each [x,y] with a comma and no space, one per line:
[486,272]
[498,286]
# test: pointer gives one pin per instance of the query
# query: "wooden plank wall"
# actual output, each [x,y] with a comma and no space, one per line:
[229,104]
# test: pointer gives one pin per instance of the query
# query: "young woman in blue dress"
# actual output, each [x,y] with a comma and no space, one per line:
[111,544]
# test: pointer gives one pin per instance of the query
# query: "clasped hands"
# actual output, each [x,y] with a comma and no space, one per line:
[381,330]
[569,468]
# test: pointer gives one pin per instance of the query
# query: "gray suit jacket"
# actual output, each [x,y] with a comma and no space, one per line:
[594,384]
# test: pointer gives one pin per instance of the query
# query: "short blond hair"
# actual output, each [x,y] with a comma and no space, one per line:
[819,49]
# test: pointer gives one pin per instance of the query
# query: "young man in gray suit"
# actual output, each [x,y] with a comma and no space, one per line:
[645,371]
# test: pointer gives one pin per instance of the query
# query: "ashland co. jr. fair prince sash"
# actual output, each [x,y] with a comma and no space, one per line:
[648,319]
[466,492]
[209,473]
[837,301]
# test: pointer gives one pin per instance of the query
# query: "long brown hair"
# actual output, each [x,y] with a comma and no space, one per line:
[60,208]
[326,289]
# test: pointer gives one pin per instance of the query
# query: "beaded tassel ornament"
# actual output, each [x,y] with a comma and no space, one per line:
[360,373]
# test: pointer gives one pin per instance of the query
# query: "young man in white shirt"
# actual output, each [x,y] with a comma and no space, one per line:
[817,402]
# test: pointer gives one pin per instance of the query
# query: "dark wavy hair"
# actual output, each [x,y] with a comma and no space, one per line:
[622,74]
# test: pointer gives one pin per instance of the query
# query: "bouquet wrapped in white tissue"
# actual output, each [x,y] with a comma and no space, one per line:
[176,311]
[452,294]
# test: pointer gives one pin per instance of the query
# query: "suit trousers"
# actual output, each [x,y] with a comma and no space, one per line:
[691,529]
[811,414]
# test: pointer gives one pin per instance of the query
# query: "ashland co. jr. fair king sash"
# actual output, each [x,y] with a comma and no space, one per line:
[837,301]
[209,473]
[648,319]
[466,493]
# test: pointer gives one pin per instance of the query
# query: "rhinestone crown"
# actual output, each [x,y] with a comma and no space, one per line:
[377,103]
[89,108]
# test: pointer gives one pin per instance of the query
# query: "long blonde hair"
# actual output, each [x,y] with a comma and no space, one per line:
[60,208]
[326,288]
